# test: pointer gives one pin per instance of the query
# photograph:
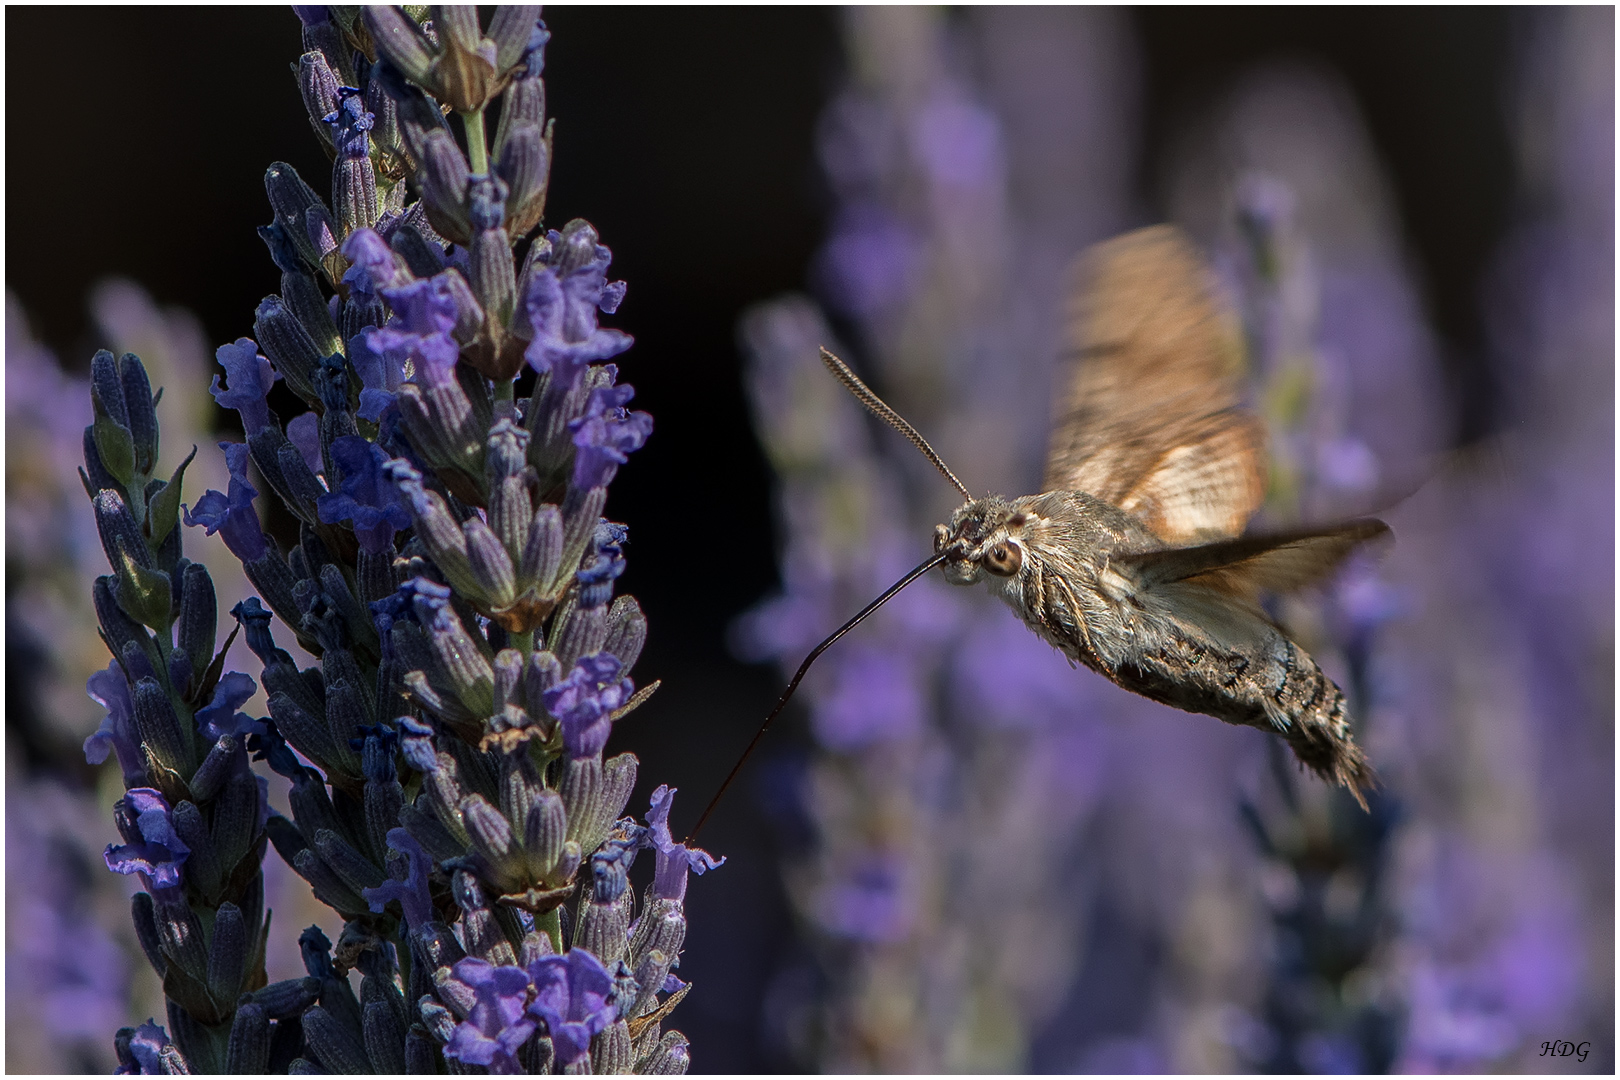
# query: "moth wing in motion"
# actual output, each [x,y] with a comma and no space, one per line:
[1245,566]
[1149,415]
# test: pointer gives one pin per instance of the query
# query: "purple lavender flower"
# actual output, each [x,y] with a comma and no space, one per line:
[412,892]
[875,698]
[117,733]
[152,849]
[496,1025]
[374,268]
[562,301]
[351,124]
[606,435]
[380,376]
[219,716]
[674,859]
[585,700]
[867,900]
[575,999]
[425,314]
[364,496]
[251,377]
[147,1045]
[304,432]
[607,563]
[232,516]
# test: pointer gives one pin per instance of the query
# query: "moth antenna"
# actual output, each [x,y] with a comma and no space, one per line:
[864,395]
[793,684]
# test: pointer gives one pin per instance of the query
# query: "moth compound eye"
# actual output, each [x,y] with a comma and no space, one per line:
[1004,560]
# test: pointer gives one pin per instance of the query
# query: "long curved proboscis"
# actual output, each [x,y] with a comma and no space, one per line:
[793,684]
[865,396]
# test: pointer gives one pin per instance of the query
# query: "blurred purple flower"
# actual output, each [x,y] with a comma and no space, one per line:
[496,1025]
[251,377]
[866,900]
[151,846]
[874,697]
[574,996]
[674,859]
[868,261]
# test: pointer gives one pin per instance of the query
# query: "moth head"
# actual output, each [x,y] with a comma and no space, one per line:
[985,537]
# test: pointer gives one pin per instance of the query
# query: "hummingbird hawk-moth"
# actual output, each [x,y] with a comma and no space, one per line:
[1133,560]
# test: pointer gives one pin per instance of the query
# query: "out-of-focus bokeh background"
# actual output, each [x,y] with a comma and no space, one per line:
[957,854]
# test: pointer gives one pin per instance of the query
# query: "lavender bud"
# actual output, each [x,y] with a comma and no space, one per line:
[303,297]
[329,888]
[289,997]
[124,634]
[490,565]
[578,631]
[421,1055]
[296,206]
[385,130]
[444,178]
[581,792]
[248,1052]
[356,871]
[227,959]
[610,1050]
[324,36]
[651,969]
[510,29]
[160,728]
[542,671]
[426,830]
[525,165]
[384,1037]
[141,412]
[202,865]
[626,631]
[209,779]
[319,88]
[290,348]
[423,259]
[602,930]
[545,827]
[113,439]
[121,537]
[508,668]
[334,1043]
[308,736]
[543,552]
[181,936]
[236,819]
[198,616]
[146,932]
[401,42]
[671,1058]
[438,1020]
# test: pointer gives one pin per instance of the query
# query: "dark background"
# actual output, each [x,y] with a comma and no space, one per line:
[137,141]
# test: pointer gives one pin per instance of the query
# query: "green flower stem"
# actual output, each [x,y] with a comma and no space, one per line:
[477,153]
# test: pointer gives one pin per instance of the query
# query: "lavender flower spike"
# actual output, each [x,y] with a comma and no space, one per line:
[674,859]
[574,996]
[152,849]
[496,1024]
